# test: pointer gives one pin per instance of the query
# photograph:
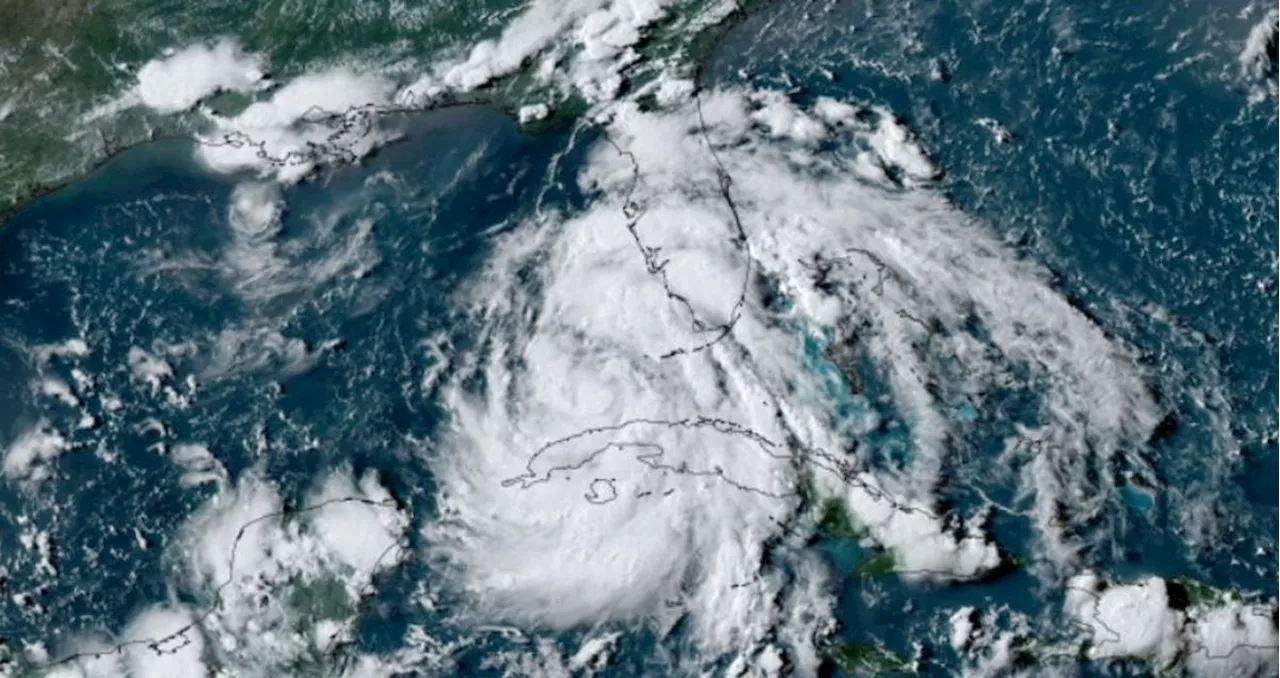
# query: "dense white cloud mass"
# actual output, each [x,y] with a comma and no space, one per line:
[280,587]
[642,430]
[178,655]
[590,41]
[581,46]
[179,80]
[1254,59]
[28,454]
[1258,58]
[316,118]
[1127,621]
[648,412]
[1217,637]
[650,409]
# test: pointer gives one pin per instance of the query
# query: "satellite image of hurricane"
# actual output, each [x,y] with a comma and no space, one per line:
[595,338]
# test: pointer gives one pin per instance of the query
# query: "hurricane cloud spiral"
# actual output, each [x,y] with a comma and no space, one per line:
[633,437]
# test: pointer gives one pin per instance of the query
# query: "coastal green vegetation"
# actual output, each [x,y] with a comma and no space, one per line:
[868,659]
[65,68]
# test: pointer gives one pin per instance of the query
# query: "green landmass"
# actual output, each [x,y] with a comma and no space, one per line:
[322,598]
[868,659]
[877,565]
[58,61]
[61,63]
[836,521]
[1199,594]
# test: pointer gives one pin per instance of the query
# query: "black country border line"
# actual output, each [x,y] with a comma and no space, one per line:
[655,266]
[843,468]
[353,125]
[1198,649]
[155,644]
[816,456]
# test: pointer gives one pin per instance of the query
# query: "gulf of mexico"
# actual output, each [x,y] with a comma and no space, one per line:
[287,354]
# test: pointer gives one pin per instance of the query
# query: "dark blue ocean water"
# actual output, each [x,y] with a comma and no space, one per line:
[1140,178]
[129,257]
[1136,168]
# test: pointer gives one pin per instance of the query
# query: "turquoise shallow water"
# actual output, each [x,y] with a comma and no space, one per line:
[1139,185]
[1120,124]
